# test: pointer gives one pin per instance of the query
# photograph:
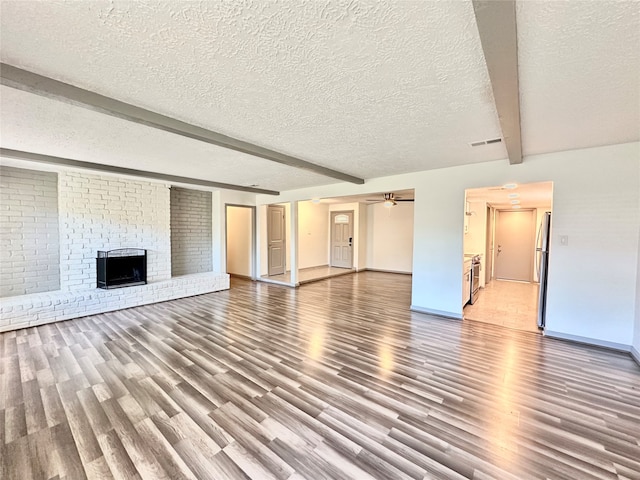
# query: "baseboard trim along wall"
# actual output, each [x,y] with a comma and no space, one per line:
[437,313]
[635,354]
[588,341]
[384,271]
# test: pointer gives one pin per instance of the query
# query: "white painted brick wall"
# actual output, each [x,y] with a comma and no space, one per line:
[191,247]
[106,213]
[29,239]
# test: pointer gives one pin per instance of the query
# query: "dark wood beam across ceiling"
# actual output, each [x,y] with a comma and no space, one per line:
[31,82]
[99,167]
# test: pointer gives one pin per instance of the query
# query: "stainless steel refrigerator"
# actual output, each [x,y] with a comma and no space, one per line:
[542,248]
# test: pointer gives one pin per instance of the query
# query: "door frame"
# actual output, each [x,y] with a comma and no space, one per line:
[490,241]
[254,261]
[495,238]
[331,232]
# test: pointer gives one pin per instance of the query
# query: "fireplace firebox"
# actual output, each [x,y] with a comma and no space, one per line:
[124,267]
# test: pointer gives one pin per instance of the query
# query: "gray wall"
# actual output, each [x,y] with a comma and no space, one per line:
[29,238]
[191,247]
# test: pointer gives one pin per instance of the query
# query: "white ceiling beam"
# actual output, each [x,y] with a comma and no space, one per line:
[99,167]
[496,20]
[31,82]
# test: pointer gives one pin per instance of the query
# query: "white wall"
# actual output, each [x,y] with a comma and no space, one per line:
[363,241]
[390,237]
[239,233]
[313,234]
[592,281]
[636,336]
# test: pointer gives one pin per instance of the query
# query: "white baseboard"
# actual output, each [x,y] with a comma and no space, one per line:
[588,341]
[385,271]
[635,354]
[437,313]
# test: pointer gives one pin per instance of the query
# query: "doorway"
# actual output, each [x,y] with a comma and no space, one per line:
[514,239]
[276,240]
[342,239]
[502,222]
[240,240]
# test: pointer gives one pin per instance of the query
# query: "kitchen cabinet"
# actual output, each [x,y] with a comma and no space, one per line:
[466,282]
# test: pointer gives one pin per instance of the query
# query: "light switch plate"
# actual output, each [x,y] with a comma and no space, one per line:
[564,240]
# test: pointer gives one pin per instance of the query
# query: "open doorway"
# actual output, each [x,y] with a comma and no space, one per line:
[503,247]
[240,240]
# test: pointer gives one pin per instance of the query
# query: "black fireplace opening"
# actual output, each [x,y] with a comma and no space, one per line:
[124,267]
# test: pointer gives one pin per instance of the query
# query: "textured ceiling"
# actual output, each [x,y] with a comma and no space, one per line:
[530,195]
[365,87]
[59,129]
[579,64]
[369,88]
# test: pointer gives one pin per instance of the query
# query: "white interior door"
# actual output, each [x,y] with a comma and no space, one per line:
[276,235]
[514,244]
[342,239]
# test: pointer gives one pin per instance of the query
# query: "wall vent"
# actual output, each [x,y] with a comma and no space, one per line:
[485,142]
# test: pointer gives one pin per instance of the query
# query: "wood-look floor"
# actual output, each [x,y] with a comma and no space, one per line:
[335,380]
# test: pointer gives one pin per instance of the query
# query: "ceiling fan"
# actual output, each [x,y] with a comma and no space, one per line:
[389,200]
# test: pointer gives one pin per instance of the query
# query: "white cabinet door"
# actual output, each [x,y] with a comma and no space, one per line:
[466,287]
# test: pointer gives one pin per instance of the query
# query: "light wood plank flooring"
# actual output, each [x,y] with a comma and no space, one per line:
[336,380]
[508,304]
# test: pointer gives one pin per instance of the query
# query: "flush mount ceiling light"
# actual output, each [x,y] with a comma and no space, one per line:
[513,195]
[315,200]
[516,206]
[515,202]
[510,186]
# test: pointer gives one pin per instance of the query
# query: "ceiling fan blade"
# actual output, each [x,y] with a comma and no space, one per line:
[405,200]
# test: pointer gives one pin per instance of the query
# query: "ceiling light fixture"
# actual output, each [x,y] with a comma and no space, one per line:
[515,202]
[513,195]
[510,186]
[516,206]
[315,200]
[389,200]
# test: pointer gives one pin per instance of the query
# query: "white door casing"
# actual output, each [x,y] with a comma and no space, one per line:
[276,243]
[342,239]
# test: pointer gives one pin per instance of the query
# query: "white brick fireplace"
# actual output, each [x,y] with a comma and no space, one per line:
[99,212]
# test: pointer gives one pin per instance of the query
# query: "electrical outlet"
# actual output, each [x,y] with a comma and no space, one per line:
[564,240]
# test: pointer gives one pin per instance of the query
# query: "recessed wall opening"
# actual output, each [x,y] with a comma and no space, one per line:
[506,254]
[343,235]
[240,240]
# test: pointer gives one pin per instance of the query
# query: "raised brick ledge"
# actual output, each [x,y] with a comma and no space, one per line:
[40,308]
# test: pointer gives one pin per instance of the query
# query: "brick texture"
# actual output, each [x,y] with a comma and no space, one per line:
[191,247]
[29,235]
[106,213]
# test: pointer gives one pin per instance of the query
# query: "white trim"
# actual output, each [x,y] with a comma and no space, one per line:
[588,341]
[635,354]
[398,272]
[437,313]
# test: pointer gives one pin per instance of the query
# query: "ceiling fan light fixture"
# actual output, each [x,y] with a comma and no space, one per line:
[389,200]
